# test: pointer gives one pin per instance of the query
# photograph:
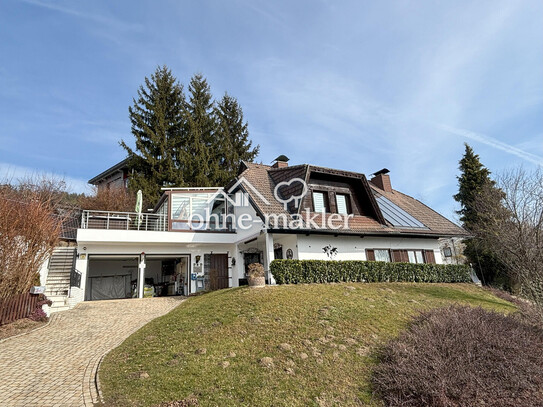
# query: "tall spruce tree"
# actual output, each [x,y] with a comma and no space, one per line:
[191,142]
[157,125]
[474,179]
[232,139]
[200,167]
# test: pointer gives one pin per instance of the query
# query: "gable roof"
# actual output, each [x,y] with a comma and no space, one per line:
[119,166]
[424,220]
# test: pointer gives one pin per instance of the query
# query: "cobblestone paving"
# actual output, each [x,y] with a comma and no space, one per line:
[56,365]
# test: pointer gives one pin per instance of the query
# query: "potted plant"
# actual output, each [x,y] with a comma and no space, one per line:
[255,275]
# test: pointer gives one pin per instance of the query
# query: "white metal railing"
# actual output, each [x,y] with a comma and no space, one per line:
[124,221]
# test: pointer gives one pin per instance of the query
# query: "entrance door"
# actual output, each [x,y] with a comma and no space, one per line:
[218,272]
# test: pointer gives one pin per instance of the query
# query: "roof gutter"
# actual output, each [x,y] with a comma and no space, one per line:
[360,234]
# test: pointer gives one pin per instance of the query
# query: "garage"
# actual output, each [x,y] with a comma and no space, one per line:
[116,276]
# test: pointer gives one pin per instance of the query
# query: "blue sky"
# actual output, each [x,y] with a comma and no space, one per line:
[356,85]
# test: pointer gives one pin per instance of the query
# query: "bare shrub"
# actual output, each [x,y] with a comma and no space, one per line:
[29,231]
[256,270]
[462,356]
[109,199]
[529,312]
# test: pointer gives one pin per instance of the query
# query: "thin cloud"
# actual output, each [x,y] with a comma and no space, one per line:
[97,18]
[490,141]
[12,173]
[261,9]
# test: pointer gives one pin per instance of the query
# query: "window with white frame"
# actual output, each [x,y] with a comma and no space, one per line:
[320,201]
[415,256]
[342,202]
[382,255]
[198,211]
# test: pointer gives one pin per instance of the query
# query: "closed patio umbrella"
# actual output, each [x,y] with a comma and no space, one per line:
[139,206]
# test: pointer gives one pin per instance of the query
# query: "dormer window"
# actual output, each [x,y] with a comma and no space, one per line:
[320,201]
[343,204]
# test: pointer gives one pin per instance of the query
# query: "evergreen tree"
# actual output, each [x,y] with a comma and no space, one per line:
[157,125]
[475,179]
[193,141]
[198,157]
[232,139]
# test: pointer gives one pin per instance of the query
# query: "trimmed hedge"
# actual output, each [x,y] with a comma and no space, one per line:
[332,271]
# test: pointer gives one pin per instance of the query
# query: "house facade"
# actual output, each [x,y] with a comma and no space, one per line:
[114,177]
[199,239]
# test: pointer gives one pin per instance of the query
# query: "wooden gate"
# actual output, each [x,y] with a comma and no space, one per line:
[218,271]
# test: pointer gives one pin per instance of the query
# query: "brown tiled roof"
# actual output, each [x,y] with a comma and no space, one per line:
[265,178]
[430,218]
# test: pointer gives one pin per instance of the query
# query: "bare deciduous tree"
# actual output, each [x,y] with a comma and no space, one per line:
[109,199]
[29,231]
[513,227]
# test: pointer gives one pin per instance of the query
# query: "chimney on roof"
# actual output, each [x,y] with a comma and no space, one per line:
[381,179]
[280,162]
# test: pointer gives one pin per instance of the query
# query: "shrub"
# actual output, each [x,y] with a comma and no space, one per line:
[529,313]
[38,315]
[255,270]
[462,356]
[331,271]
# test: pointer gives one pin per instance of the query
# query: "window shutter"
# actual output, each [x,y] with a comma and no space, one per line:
[370,255]
[400,256]
[429,256]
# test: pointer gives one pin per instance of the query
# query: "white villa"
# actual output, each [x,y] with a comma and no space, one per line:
[200,239]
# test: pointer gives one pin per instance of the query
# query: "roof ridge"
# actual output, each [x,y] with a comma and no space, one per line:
[337,169]
[287,168]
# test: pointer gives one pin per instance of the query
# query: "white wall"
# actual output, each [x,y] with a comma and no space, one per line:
[87,249]
[354,248]
[288,242]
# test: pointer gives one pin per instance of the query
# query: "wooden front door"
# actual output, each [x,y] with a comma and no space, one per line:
[218,272]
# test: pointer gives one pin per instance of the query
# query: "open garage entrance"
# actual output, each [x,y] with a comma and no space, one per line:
[117,276]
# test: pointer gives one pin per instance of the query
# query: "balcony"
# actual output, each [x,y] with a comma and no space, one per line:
[124,221]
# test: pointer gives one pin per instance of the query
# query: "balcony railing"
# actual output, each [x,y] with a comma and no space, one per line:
[124,221]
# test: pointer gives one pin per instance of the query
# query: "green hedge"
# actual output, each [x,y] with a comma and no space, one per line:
[331,271]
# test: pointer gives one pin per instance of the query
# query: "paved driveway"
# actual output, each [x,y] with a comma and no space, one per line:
[56,365]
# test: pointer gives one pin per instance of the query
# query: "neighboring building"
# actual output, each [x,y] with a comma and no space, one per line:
[114,177]
[204,238]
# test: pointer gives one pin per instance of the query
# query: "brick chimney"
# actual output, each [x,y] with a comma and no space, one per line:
[381,179]
[280,162]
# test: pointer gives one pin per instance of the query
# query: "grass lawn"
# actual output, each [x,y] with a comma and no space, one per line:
[319,337]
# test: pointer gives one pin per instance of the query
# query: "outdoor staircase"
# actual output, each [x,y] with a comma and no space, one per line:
[57,287]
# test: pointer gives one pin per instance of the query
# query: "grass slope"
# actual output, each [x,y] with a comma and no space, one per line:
[319,337]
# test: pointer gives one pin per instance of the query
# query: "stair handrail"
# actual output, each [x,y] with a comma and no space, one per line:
[75,275]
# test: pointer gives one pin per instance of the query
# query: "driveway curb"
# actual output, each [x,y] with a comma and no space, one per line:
[92,392]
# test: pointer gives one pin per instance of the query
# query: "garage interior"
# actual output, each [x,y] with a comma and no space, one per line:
[115,277]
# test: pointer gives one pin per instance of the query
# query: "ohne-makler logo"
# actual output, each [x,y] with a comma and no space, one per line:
[296,199]
[228,211]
